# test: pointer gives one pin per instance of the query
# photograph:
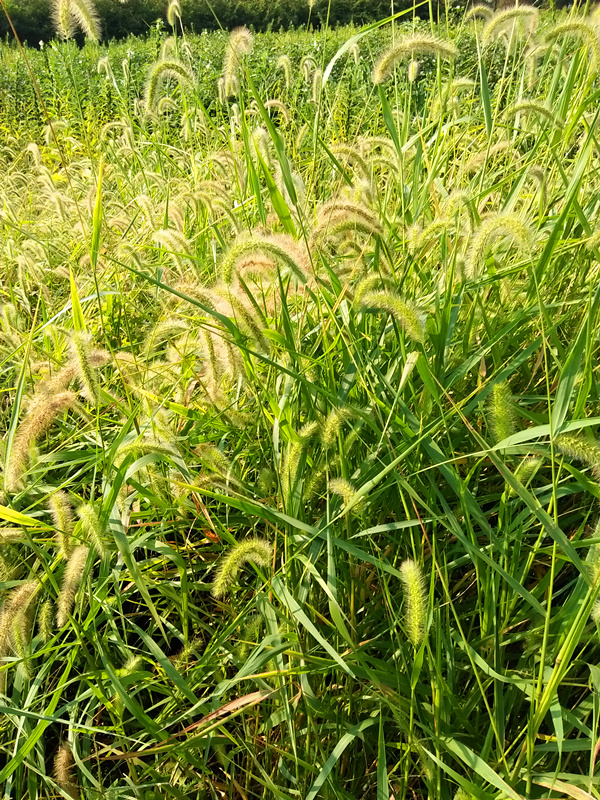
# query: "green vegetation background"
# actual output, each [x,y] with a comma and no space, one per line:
[32,18]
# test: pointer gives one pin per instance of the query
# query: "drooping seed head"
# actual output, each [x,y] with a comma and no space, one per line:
[408,47]
[257,551]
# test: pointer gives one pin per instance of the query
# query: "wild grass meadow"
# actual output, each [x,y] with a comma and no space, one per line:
[299,393]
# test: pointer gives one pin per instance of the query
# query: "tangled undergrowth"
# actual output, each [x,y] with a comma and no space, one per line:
[299,472]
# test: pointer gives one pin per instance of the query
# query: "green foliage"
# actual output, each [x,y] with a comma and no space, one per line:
[299,404]
[31,18]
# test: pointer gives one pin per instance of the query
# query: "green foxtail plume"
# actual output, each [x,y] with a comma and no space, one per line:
[67,15]
[406,312]
[15,611]
[491,228]
[62,519]
[501,412]
[239,45]
[480,12]
[258,551]
[581,448]
[519,19]
[161,71]
[415,596]
[92,528]
[83,361]
[72,577]
[284,63]
[345,490]
[174,13]
[282,248]
[330,428]
[42,413]
[46,620]
[408,47]
[582,29]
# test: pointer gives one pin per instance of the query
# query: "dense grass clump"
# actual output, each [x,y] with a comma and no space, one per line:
[299,406]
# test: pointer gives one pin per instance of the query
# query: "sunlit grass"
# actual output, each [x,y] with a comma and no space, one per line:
[299,393]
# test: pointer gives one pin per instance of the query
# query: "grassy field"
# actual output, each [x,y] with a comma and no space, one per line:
[299,385]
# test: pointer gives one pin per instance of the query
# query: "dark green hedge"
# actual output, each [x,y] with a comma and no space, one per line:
[31,18]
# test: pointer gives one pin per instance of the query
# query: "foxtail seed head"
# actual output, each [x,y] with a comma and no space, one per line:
[480,12]
[70,583]
[80,346]
[519,18]
[407,313]
[585,31]
[344,489]
[416,601]
[68,15]
[580,448]
[64,764]
[409,47]
[174,13]
[46,620]
[14,611]
[284,63]
[62,519]
[333,424]
[159,72]
[494,227]
[239,45]
[92,528]
[42,413]
[257,551]
[501,412]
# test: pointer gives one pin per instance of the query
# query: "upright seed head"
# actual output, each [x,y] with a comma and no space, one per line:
[46,618]
[413,70]
[284,63]
[174,13]
[333,424]
[70,583]
[239,45]
[317,85]
[64,764]
[501,412]
[416,601]
[92,528]
[62,518]
[80,346]
[595,615]
[15,612]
